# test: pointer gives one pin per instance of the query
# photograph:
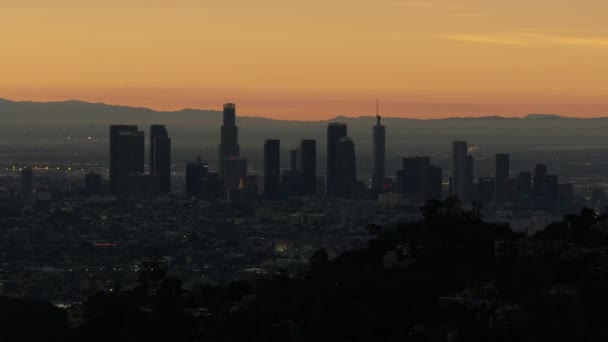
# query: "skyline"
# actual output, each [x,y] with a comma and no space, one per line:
[423,59]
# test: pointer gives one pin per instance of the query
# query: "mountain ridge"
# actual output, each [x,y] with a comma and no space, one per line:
[7,105]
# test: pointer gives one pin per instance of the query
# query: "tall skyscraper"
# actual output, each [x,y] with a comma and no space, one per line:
[308,166]
[434,183]
[524,189]
[195,172]
[115,167]
[413,181]
[335,131]
[127,157]
[502,177]
[379,150]
[229,146]
[345,169]
[272,169]
[460,165]
[212,187]
[160,156]
[540,180]
[486,190]
[470,177]
[421,181]
[235,173]
[551,197]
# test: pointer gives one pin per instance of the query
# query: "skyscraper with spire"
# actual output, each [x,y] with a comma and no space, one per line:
[379,150]
[335,131]
[229,145]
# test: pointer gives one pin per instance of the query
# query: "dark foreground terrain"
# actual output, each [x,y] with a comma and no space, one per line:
[450,277]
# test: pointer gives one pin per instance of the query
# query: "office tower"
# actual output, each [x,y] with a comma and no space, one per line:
[235,173]
[551,197]
[460,169]
[345,169]
[540,178]
[308,167]
[195,172]
[502,177]
[470,177]
[27,186]
[293,161]
[413,175]
[128,158]
[335,131]
[272,169]
[434,183]
[229,146]
[212,186]
[421,181]
[524,189]
[116,169]
[511,189]
[485,190]
[93,183]
[379,150]
[160,156]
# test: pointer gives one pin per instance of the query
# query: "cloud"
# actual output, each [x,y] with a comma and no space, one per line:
[435,8]
[530,39]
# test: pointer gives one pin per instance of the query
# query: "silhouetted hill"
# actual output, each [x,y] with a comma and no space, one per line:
[22,320]
[545,117]
[449,277]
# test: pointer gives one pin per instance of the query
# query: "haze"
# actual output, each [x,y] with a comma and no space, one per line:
[310,60]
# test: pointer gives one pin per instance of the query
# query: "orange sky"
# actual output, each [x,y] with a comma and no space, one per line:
[313,59]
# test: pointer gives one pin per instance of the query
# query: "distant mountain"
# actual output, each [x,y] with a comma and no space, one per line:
[76,131]
[73,109]
[545,117]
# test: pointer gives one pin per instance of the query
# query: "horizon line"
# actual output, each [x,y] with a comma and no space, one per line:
[486,116]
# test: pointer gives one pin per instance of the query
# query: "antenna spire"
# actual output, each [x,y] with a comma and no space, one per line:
[378,117]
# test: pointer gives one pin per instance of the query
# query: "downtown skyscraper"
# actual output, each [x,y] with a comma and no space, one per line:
[229,144]
[502,177]
[308,166]
[124,156]
[160,156]
[461,169]
[272,169]
[379,150]
[346,169]
[335,131]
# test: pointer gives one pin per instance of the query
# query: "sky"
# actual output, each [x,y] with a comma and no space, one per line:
[312,59]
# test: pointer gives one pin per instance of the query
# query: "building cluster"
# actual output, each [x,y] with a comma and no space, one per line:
[418,181]
[127,161]
[525,192]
